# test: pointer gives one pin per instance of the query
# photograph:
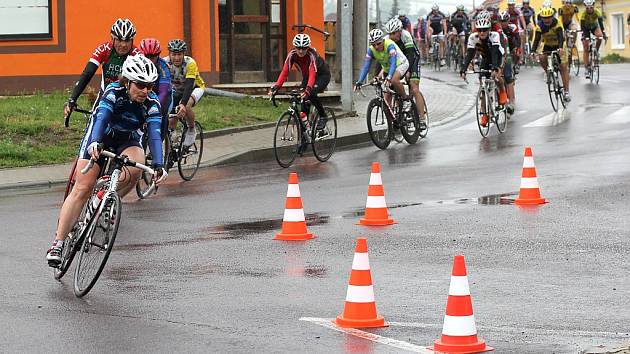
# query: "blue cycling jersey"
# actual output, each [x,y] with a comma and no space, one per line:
[117,115]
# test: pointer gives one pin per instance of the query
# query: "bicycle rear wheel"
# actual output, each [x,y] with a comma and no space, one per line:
[551,87]
[325,140]
[575,61]
[71,179]
[190,156]
[501,120]
[482,102]
[287,138]
[378,124]
[410,125]
[424,119]
[70,248]
[97,244]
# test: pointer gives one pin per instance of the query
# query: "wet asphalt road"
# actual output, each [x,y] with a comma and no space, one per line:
[195,268]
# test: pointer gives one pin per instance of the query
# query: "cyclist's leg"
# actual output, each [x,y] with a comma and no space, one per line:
[129,176]
[177,97]
[192,101]
[400,72]
[413,77]
[586,46]
[598,33]
[442,44]
[564,71]
[168,107]
[508,77]
[321,82]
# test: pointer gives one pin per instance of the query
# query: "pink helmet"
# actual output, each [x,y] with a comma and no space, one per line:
[150,46]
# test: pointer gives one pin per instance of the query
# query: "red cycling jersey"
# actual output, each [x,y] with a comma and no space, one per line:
[307,65]
[106,56]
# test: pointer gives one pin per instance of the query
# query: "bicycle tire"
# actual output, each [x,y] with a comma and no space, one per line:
[194,152]
[145,185]
[288,126]
[478,102]
[69,250]
[551,87]
[71,179]
[596,72]
[81,288]
[321,150]
[410,125]
[575,61]
[425,119]
[501,120]
[376,114]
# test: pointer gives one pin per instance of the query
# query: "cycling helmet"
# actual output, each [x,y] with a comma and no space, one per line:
[150,46]
[375,35]
[460,7]
[177,45]
[504,16]
[547,4]
[139,68]
[301,40]
[511,2]
[525,2]
[547,12]
[393,25]
[435,7]
[482,23]
[589,2]
[123,29]
[484,15]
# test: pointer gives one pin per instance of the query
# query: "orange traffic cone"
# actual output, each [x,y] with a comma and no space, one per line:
[293,222]
[530,191]
[459,333]
[375,206]
[360,308]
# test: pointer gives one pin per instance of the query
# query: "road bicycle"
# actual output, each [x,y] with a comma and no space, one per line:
[455,55]
[487,103]
[527,49]
[297,128]
[187,158]
[391,121]
[574,57]
[592,70]
[554,81]
[72,177]
[93,236]
[435,55]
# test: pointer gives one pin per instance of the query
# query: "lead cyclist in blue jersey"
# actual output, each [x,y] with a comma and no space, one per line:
[124,108]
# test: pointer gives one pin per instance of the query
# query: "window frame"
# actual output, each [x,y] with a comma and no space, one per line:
[613,29]
[32,36]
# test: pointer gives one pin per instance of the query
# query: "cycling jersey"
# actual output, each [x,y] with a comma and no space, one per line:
[188,70]
[459,21]
[490,50]
[421,29]
[163,86]
[111,61]
[513,39]
[566,13]
[435,21]
[552,35]
[515,15]
[120,120]
[591,20]
[527,14]
[310,66]
[410,51]
[390,58]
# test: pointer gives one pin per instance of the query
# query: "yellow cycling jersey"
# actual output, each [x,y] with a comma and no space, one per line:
[549,34]
[567,12]
[188,70]
[590,20]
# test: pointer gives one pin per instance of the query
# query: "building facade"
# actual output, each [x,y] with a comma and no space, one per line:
[45,44]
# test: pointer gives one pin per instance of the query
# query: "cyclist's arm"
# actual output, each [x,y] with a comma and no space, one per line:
[600,21]
[104,112]
[470,53]
[154,124]
[560,36]
[392,60]
[164,86]
[366,65]
[312,73]
[284,74]
[84,80]
[521,18]
[537,37]
[189,85]
[494,56]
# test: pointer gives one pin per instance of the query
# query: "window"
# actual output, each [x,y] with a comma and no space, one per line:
[617,26]
[25,19]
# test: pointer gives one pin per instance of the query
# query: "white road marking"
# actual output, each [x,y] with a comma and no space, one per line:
[620,116]
[550,119]
[327,322]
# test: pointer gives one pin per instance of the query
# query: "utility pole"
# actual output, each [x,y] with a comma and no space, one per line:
[345,19]
[378,14]
[359,35]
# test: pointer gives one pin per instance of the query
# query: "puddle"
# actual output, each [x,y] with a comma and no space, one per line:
[315,271]
[261,226]
[497,199]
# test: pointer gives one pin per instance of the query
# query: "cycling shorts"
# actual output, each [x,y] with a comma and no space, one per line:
[402,68]
[414,70]
[586,32]
[196,95]
[508,75]
[118,142]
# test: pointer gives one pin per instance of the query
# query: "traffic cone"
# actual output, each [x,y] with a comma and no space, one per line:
[375,206]
[360,308]
[530,191]
[293,222]
[459,333]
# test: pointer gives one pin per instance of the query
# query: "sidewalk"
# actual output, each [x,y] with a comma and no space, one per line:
[445,102]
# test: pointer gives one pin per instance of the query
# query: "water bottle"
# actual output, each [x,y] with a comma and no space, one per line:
[94,203]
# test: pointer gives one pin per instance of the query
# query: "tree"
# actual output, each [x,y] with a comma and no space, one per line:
[395,9]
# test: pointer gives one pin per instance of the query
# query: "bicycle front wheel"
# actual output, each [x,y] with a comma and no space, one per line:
[145,185]
[97,244]
[378,124]
[424,118]
[575,61]
[190,156]
[551,87]
[595,74]
[410,125]
[287,138]
[501,120]
[482,108]
[325,140]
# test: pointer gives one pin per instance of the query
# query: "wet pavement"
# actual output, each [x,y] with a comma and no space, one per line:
[195,269]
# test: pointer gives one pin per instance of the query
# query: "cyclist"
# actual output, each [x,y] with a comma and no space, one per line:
[545,5]
[151,48]
[517,19]
[391,59]
[315,74]
[591,22]
[549,30]
[124,108]
[437,27]
[188,85]
[421,33]
[404,40]
[111,55]
[512,45]
[405,22]
[460,25]
[488,44]
[528,13]
[567,13]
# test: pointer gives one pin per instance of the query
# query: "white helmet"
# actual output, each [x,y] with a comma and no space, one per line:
[139,68]
[511,2]
[484,15]
[482,22]
[435,7]
[123,29]
[375,35]
[460,7]
[393,25]
[301,40]
[547,3]
[589,2]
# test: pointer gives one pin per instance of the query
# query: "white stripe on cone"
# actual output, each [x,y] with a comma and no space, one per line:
[376,202]
[459,325]
[361,261]
[528,162]
[375,179]
[529,182]
[459,286]
[293,215]
[293,191]
[360,294]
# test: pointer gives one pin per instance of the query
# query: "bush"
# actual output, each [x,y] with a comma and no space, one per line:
[614,58]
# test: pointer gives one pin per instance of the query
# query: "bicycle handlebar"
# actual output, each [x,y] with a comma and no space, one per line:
[125,159]
[66,122]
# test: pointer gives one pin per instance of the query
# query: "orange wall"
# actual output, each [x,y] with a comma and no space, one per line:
[312,14]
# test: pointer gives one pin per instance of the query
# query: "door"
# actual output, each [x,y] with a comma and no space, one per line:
[250,36]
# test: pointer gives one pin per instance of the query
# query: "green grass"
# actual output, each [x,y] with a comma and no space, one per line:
[614,58]
[32,130]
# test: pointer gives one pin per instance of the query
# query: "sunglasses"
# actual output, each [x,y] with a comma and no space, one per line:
[143,85]
[378,43]
[152,56]
[301,48]
[483,29]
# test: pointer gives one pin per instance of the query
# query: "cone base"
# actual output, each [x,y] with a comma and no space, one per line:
[379,321]
[534,201]
[376,222]
[294,237]
[478,347]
